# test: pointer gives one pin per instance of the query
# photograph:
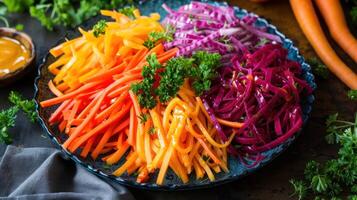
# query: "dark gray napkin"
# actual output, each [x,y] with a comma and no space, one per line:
[43,173]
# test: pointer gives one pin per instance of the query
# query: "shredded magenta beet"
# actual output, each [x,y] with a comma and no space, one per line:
[261,90]
[258,85]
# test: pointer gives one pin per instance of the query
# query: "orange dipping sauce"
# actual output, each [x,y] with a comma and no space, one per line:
[13,55]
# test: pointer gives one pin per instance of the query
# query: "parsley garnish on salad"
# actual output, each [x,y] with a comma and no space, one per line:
[156,37]
[163,82]
[99,28]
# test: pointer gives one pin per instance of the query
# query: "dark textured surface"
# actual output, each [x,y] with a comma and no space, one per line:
[272,181]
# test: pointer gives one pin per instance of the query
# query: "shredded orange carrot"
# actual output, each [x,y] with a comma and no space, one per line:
[103,118]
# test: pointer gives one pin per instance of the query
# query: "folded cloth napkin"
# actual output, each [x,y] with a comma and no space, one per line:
[43,173]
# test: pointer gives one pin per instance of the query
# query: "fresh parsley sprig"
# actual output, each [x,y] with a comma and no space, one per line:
[173,77]
[155,37]
[163,82]
[27,106]
[330,180]
[300,189]
[99,28]
[128,11]
[7,121]
[144,90]
[8,116]
[205,72]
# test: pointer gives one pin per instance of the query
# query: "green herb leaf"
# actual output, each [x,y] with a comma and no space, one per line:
[336,175]
[18,5]
[300,189]
[99,28]
[7,121]
[144,90]
[312,169]
[155,37]
[152,130]
[27,106]
[205,71]
[19,27]
[128,11]
[143,118]
[319,183]
[39,12]
[319,68]
[201,68]
[173,77]
[352,94]
[352,197]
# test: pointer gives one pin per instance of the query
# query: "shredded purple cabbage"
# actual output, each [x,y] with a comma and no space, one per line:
[216,29]
[257,85]
[261,90]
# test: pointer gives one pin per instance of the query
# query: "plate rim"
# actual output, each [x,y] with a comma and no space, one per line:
[178,187]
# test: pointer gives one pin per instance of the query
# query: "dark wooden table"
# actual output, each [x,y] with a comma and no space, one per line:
[271,182]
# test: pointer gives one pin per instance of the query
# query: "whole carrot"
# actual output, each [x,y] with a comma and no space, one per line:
[307,18]
[332,12]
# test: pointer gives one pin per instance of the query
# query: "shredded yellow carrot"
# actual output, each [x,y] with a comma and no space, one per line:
[103,118]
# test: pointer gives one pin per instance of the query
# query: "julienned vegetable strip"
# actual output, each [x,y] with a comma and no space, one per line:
[306,17]
[334,17]
[257,100]
[103,118]
[123,98]
[215,29]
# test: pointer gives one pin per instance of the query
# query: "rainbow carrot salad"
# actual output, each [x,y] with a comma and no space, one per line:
[182,95]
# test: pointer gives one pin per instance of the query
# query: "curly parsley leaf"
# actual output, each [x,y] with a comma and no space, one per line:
[99,28]
[320,183]
[330,180]
[128,11]
[7,121]
[205,71]
[155,37]
[27,106]
[173,77]
[300,189]
[163,83]
[144,90]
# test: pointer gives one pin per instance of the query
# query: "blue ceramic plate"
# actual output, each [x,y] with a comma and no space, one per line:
[172,182]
